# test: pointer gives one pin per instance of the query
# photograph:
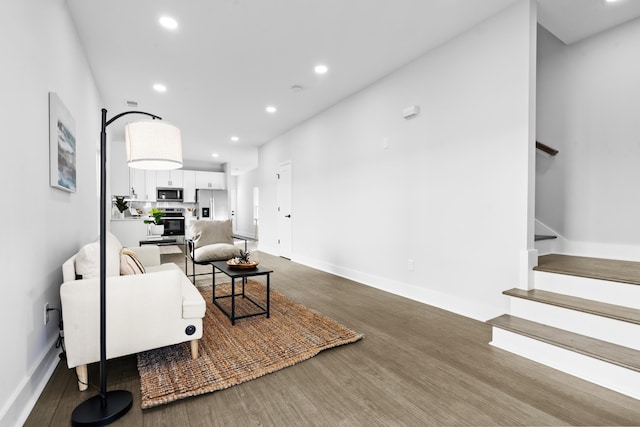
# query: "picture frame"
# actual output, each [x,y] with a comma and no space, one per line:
[62,146]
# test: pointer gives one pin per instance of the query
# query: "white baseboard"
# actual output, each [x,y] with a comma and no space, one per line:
[24,398]
[267,249]
[452,303]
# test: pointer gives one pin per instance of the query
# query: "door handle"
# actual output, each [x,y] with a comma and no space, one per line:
[288,216]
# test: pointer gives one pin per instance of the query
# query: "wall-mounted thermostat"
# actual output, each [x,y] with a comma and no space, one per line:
[411,111]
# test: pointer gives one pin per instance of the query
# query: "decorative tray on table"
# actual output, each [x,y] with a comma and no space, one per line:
[233,263]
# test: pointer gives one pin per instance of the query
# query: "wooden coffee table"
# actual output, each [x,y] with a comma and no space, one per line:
[240,273]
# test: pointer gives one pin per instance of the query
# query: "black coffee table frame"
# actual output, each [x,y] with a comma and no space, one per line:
[240,273]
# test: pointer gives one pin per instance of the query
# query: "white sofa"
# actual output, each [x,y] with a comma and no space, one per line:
[144,311]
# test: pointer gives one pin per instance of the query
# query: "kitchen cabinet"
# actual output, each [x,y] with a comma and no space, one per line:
[146,182]
[211,180]
[189,186]
[143,184]
[150,181]
[170,178]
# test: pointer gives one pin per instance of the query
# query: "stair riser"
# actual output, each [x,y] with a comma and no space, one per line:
[597,290]
[546,247]
[605,374]
[603,328]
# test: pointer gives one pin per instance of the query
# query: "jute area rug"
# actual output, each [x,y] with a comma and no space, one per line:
[230,355]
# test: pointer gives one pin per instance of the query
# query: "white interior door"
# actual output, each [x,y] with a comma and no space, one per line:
[284,210]
[233,204]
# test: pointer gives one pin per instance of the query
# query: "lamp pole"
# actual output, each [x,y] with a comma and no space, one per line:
[105,408]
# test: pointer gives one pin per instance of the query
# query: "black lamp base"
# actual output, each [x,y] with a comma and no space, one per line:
[91,413]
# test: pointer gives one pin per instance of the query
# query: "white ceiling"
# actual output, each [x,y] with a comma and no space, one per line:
[574,20]
[229,59]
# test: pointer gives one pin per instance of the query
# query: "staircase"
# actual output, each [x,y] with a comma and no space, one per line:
[583,318]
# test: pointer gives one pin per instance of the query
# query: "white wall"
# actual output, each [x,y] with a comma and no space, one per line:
[244,212]
[452,191]
[588,108]
[40,53]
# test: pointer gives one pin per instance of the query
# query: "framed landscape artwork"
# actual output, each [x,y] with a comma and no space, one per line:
[62,146]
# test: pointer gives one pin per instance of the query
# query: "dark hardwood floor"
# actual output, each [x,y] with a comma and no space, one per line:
[417,365]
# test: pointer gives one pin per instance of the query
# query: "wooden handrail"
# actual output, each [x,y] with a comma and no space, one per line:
[546,148]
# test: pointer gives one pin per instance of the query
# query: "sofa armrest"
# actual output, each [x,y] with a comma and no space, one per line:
[149,255]
[69,269]
[144,311]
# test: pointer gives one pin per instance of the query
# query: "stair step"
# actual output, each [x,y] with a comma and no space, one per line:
[618,312]
[594,289]
[539,237]
[594,268]
[602,350]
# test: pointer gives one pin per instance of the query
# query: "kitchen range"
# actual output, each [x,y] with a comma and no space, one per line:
[173,221]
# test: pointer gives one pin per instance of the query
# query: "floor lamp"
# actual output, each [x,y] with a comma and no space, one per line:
[150,144]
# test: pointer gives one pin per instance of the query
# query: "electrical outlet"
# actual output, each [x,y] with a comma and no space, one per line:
[46,313]
[411,265]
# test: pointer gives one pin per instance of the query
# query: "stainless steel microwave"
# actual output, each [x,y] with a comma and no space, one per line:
[169,194]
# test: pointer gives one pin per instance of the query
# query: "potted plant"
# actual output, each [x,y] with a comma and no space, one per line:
[156,226]
[121,205]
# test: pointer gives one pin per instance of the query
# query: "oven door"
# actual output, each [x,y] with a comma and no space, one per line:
[173,226]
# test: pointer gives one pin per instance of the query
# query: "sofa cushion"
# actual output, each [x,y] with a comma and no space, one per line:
[216,252]
[130,263]
[206,233]
[88,259]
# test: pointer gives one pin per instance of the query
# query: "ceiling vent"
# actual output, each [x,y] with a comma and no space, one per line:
[131,104]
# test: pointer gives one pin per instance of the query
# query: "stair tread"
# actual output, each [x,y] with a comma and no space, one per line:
[594,268]
[539,237]
[618,312]
[602,350]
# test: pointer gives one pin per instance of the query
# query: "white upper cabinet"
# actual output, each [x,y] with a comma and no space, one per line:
[143,184]
[211,180]
[189,186]
[170,178]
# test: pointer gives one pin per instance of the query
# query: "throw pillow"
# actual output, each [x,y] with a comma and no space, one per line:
[87,261]
[130,263]
[206,233]
[216,252]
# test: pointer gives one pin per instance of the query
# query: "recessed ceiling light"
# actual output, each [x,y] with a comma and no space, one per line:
[168,22]
[215,155]
[235,139]
[158,87]
[321,69]
[271,109]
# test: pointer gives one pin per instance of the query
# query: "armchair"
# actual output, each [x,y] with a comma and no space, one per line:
[157,308]
[207,241]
